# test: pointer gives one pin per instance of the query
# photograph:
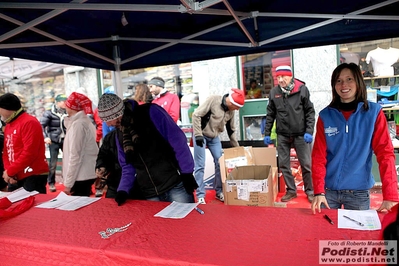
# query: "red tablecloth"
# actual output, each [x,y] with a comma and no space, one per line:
[224,235]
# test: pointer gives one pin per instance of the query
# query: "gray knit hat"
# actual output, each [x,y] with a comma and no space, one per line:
[110,107]
[157,81]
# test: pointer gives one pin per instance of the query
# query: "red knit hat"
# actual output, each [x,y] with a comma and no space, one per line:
[237,97]
[78,102]
[283,71]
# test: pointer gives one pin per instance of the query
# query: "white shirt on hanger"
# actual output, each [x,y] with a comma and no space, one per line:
[382,60]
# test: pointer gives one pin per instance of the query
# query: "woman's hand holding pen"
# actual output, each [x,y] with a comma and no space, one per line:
[317,201]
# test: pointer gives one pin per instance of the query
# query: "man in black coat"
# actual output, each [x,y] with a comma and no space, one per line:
[54,130]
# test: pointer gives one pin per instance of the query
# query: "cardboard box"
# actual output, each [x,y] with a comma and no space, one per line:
[237,156]
[261,167]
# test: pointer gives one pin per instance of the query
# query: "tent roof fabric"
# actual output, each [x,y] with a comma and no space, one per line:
[130,34]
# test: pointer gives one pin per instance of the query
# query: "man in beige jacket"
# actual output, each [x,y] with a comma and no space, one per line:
[209,120]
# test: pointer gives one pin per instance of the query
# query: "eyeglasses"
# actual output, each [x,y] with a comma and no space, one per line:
[342,81]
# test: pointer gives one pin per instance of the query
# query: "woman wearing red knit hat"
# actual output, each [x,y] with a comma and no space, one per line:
[80,147]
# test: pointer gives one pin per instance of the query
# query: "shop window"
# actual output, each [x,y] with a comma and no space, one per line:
[379,63]
[254,127]
[259,72]
[38,93]
[378,58]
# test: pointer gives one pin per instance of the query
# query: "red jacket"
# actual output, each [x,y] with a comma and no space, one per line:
[24,150]
[171,103]
[99,125]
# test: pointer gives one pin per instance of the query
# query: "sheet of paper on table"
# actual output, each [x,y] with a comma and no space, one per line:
[67,203]
[18,194]
[176,210]
[369,219]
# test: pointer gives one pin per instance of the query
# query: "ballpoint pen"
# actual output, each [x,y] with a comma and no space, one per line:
[328,219]
[353,220]
[199,210]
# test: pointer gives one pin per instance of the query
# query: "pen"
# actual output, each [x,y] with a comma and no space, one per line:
[353,220]
[53,200]
[199,210]
[328,219]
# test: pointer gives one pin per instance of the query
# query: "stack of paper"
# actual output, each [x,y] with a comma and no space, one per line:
[18,194]
[67,203]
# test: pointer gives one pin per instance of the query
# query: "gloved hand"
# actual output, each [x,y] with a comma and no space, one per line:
[189,183]
[308,138]
[267,140]
[121,197]
[199,140]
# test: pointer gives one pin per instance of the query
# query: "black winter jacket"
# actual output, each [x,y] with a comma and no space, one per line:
[52,123]
[108,158]
[294,114]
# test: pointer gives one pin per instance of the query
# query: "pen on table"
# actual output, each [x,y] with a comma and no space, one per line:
[353,220]
[53,200]
[199,210]
[328,219]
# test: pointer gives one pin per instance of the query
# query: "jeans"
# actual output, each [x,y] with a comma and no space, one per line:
[349,199]
[303,151]
[178,193]
[215,147]
[54,149]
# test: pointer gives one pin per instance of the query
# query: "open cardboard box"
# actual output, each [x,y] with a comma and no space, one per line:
[252,164]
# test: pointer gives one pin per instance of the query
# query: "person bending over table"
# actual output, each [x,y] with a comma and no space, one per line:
[151,149]
[349,130]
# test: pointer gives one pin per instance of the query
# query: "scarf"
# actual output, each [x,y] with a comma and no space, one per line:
[15,114]
[289,88]
[130,136]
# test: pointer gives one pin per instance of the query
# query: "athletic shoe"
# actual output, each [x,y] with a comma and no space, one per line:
[99,192]
[52,188]
[201,201]
[220,196]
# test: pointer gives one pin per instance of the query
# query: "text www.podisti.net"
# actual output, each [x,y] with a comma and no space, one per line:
[357,252]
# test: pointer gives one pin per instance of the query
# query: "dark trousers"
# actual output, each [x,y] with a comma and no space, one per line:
[303,151]
[54,149]
[82,188]
[30,183]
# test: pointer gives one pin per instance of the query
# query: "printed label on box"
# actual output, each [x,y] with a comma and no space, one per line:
[233,162]
[230,184]
[256,186]
[242,192]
